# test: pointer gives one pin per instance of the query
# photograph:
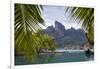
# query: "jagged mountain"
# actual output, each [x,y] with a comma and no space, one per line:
[64,37]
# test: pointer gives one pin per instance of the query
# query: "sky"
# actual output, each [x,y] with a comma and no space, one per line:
[52,13]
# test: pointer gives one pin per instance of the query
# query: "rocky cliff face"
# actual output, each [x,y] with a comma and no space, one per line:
[64,37]
[59,27]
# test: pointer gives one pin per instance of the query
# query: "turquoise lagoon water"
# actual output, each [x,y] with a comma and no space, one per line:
[66,56]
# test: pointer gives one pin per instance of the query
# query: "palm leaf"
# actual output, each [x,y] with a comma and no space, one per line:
[27,20]
[86,16]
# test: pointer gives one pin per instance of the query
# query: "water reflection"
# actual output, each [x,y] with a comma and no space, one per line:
[68,56]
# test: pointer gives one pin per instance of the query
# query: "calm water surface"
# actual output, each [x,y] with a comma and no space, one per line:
[66,56]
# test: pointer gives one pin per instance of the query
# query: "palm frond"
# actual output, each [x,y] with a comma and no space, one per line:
[27,20]
[86,16]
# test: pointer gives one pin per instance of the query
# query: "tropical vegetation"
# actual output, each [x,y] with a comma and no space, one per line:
[28,39]
[86,17]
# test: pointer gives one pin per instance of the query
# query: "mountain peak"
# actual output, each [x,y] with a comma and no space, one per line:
[59,26]
[72,28]
[58,23]
[63,37]
[50,26]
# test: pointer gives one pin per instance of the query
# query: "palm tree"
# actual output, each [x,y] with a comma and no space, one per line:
[27,21]
[86,16]
[44,42]
[29,39]
[48,42]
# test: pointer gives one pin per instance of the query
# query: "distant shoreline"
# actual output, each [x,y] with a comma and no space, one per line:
[60,51]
